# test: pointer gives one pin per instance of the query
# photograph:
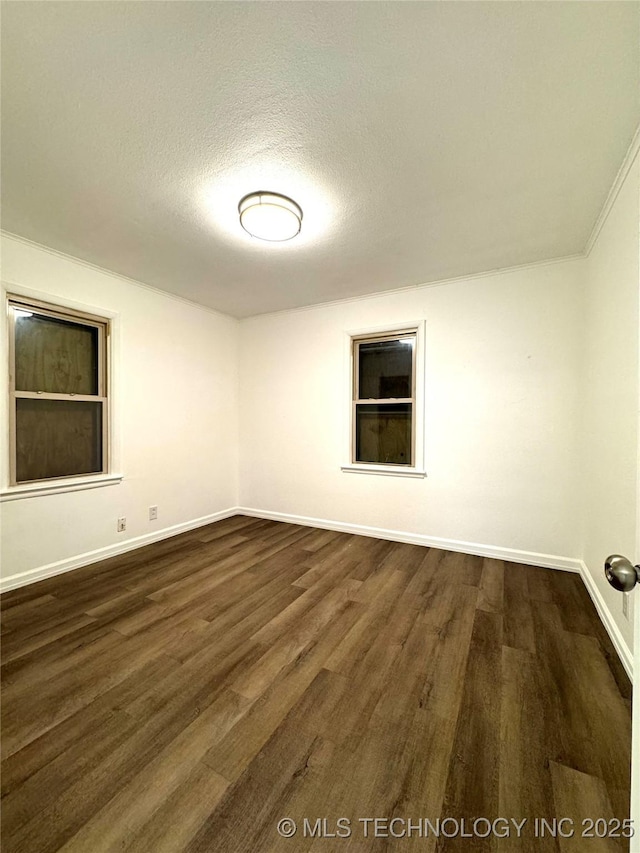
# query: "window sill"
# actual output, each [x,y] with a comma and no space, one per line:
[385,470]
[36,490]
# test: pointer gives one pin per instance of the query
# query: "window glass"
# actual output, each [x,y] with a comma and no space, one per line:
[383,433]
[57,438]
[55,356]
[385,369]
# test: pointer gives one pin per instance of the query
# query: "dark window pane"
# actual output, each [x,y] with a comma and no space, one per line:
[57,438]
[385,369]
[383,433]
[56,356]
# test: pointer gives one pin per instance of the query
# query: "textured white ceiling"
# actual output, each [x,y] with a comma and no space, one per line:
[422,140]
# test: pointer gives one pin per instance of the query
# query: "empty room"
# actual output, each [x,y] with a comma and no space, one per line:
[319,405]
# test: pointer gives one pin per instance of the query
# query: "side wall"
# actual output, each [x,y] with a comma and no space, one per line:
[611,396]
[175,411]
[502,409]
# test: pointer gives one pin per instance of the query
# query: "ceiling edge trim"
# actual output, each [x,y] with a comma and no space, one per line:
[623,171]
[579,256]
[113,274]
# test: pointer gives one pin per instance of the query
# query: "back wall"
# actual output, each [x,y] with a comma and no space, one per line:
[502,371]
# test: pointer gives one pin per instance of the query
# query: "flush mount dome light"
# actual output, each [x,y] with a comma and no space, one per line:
[270,216]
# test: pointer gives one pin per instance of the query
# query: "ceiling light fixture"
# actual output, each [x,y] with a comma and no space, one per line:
[270,216]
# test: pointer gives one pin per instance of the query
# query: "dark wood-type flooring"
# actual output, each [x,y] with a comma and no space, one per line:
[189,695]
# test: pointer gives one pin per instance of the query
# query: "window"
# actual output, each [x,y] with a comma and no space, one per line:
[58,391]
[384,399]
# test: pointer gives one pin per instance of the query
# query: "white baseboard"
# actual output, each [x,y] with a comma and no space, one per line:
[511,555]
[58,568]
[619,642]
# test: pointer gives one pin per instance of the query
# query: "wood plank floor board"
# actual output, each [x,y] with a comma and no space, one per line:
[330,572]
[517,624]
[368,680]
[421,583]
[235,524]
[200,683]
[18,600]
[320,538]
[235,625]
[274,573]
[450,619]
[608,721]
[375,552]
[579,797]
[595,628]
[290,617]
[404,557]
[172,826]
[58,699]
[282,538]
[291,645]
[60,654]
[319,774]
[473,779]
[246,817]
[398,713]
[353,647]
[42,789]
[398,750]
[136,801]
[427,584]
[188,695]
[572,598]
[525,778]
[27,674]
[231,756]
[567,715]
[173,564]
[38,614]
[50,828]
[17,645]
[43,751]
[491,596]
[118,605]
[542,584]
[462,568]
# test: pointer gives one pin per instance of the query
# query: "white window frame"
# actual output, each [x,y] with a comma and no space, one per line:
[61,307]
[352,337]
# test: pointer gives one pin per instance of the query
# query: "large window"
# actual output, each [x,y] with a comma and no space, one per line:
[58,389]
[384,405]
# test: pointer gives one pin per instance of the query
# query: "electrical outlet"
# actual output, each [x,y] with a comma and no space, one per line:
[625,604]
[153,513]
[122,524]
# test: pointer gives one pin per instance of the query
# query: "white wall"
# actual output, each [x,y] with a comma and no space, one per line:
[611,393]
[175,398]
[502,412]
